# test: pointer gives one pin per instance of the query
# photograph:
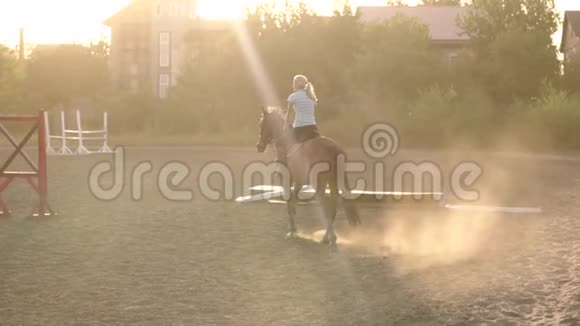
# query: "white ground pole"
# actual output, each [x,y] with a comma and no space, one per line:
[64,150]
[268,192]
[81,149]
[495,209]
[49,149]
[105,148]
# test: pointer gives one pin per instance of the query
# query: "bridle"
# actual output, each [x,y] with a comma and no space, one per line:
[269,136]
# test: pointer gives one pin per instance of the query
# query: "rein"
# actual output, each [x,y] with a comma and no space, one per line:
[282,138]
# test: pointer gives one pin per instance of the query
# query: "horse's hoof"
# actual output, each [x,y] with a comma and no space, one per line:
[290,235]
[355,223]
[333,247]
[329,240]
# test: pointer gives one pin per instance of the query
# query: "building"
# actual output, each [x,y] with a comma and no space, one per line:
[148,48]
[442,22]
[570,45]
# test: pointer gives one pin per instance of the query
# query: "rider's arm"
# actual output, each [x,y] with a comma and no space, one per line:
[287,115]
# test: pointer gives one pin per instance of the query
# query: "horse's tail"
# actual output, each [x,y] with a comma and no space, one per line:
[347,202]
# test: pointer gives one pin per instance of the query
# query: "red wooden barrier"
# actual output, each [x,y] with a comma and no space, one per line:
[37,178]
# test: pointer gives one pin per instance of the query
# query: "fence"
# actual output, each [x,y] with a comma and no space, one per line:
[37,178]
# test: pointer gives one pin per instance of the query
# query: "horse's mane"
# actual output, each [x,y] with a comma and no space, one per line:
[275,110]
[277,116]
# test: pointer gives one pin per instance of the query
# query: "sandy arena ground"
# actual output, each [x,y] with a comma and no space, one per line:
[200,262]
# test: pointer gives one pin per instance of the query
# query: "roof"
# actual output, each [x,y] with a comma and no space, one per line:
[441,20]
[141,11]
[572,19]
[137,10]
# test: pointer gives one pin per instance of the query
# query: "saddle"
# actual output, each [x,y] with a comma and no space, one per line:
[283,154]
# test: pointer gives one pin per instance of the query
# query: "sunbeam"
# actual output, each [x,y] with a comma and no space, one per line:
[254,62]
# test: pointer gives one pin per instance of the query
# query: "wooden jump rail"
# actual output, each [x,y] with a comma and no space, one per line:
[37,178]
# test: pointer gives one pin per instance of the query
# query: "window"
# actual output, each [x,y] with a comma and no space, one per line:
[173,10]
[134,84]
[191,11]
[452,58]
[134,69]
[195,55]
[164,84]
[164,49]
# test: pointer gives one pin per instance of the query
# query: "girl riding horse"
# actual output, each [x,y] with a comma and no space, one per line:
[302,149]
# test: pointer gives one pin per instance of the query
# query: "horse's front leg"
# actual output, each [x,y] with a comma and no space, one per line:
[293,196]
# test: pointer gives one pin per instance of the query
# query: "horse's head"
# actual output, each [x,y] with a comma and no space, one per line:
[271,124]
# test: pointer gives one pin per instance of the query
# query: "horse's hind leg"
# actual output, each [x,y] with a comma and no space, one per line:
[292,210]
[329,205]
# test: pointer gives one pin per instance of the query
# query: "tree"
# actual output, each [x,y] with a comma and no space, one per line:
[10,79]
[441,2]
[489,18]
[342,37]
[397,58]
[58,75]
[509,37]
[571,77]
[395,3]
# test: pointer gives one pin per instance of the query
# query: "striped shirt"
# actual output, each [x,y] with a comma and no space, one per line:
[303,108]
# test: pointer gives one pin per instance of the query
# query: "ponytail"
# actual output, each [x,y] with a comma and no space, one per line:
[309,88]
[301,82]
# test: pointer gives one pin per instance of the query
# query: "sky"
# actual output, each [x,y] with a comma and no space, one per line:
[80,21]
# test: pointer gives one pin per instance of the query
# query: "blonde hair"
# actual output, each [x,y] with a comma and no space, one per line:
[301,82]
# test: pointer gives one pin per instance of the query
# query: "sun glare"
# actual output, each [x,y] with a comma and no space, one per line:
[64,21]
[222,9]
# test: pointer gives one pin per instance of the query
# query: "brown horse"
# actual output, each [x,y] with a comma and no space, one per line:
[302,159]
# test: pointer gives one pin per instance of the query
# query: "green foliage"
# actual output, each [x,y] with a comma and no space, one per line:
[441,2]
[10,80]
[56,76]
[396,58]
[554,120]
[8,65]
[505,71]
[130,113]
[488,18]
[442,117]
[475,119]
[433,104]
[508,38]
[571,77]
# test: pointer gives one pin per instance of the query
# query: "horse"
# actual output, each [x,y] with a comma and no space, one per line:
[300,160]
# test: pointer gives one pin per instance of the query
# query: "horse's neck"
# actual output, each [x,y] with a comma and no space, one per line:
[285,139]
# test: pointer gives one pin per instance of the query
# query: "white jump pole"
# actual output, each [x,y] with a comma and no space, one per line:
[64,150]
[495,209]
[105,148]
[48,145]
[81,150]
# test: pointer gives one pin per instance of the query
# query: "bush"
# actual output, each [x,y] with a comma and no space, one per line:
[429,118]
[554,121]
[474,121]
